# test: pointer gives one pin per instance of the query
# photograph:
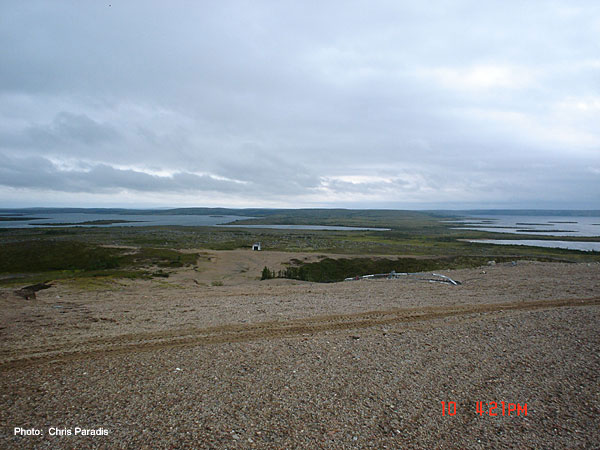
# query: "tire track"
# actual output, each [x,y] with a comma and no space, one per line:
[17,358]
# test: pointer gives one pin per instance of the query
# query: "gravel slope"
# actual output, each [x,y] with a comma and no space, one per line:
[377,385]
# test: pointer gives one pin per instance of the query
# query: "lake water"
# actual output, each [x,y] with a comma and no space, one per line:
[535,225]
[309,227]
[141,220]
[576,226]
[570,245]
[145,220]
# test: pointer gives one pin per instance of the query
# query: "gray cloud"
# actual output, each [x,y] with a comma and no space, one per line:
[40,173]
[76,127]
[310,103]
[69,129]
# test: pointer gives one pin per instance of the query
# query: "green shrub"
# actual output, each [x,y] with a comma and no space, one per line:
[267,274]
[330,270]
[42,256]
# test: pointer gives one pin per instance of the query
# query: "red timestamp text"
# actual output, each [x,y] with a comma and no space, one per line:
[501,409]
[490,408]
[448,408]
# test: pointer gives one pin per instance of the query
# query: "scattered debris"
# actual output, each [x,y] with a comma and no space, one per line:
[445,278]
[28,292]
[395,275]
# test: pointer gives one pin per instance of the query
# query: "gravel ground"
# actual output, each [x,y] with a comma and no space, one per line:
[298,365]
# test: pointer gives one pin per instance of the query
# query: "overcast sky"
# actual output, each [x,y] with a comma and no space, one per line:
[396,104]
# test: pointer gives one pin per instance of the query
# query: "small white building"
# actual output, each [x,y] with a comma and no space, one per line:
[256,246]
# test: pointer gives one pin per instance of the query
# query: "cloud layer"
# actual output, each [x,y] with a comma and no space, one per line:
[361,104]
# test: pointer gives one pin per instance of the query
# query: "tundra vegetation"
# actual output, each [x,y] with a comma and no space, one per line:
[415,241]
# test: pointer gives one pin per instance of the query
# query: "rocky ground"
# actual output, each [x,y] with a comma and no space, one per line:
[179,363]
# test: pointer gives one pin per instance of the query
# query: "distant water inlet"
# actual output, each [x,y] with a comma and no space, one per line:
[15,220]
[569,245]
[49,219]
[308,227]
[534,225]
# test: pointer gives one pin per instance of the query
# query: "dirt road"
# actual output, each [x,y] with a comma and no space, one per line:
[264,330]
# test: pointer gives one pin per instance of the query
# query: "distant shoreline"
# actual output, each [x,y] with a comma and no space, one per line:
[89,222]
[262,212]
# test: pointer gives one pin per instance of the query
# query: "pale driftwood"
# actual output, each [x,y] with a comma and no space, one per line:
[450,280]
[396,275]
